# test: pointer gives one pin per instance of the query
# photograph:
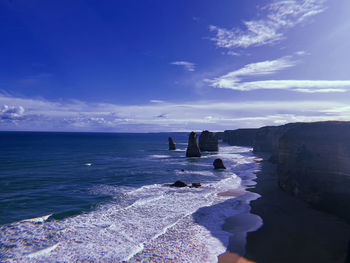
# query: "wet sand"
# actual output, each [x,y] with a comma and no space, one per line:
[292,231]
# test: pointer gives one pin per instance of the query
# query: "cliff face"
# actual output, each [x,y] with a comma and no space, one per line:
[219,135]
[208,142]
[240,137]
[267,138]
[314,164]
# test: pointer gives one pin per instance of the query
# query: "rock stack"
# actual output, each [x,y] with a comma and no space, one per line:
[218,164]
[208,142]
[172,145]
[192,148]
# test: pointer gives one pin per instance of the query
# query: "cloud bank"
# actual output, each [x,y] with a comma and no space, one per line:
[43,115]
[280,16]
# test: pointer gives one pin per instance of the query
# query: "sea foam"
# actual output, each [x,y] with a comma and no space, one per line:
[154,223]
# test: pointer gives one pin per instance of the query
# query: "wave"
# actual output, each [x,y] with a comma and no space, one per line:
[140,223]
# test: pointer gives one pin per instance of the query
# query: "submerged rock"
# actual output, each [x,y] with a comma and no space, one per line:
[179,184]
[219,164]
[172,145]
[208,142]
[192,148]
[196,185]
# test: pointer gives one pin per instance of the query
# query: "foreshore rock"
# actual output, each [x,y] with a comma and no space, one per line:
[208,142]
[192,148]
[218,164]
[172,145]
[196,185]
[314,164]
[240,137]
[179,184]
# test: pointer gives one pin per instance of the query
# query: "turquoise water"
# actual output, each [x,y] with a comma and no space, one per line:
[101,197]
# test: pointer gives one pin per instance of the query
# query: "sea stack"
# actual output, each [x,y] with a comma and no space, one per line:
[172,145]
[218,164]
[192,148]
[208,142]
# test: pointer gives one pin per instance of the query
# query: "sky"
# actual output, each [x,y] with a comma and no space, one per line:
[165,65]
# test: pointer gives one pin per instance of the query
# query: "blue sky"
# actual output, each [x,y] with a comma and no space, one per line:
[162,65]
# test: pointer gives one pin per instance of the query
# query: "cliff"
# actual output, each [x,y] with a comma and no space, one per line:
[267,138]
[314,164]
[239,137]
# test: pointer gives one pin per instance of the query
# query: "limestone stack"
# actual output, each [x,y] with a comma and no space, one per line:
[193,148]
[208,142]
[172,145]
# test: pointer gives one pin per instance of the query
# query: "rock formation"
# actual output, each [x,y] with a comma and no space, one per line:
[192,148]
[314,164]
[220,135]
[267,139]
[172,145]
[240,137]
[208,142]
[179,184]
[218,164]
[196,185]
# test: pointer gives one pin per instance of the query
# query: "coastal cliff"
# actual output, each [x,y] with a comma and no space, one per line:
[267,138]
[314,165]
[313,160]
[240,137]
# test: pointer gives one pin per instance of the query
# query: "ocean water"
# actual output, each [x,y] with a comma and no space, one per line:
[99,197]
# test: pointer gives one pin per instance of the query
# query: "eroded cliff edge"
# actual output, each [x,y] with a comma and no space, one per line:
[314,164]
[313,160]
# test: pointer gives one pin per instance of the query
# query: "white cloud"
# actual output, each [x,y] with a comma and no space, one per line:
[306,86]
[280,15]
[189,66]
[11,112]
[193,115]
[235,80]
[156,101]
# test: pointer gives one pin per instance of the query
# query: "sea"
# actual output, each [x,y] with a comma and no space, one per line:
[105,197]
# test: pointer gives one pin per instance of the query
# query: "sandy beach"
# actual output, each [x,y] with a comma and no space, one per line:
[292,231]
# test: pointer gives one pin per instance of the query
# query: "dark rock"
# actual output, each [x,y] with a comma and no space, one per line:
[182,170]
[240,137]
[314,164]
[179,184]
[267,138]
[172,145]
[208,142]
[192,148]
[196,185]
[220,135]
[219,164]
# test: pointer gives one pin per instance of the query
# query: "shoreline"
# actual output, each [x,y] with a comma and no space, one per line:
[292,231]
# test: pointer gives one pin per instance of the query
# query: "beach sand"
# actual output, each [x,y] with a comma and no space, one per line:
[292,231]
